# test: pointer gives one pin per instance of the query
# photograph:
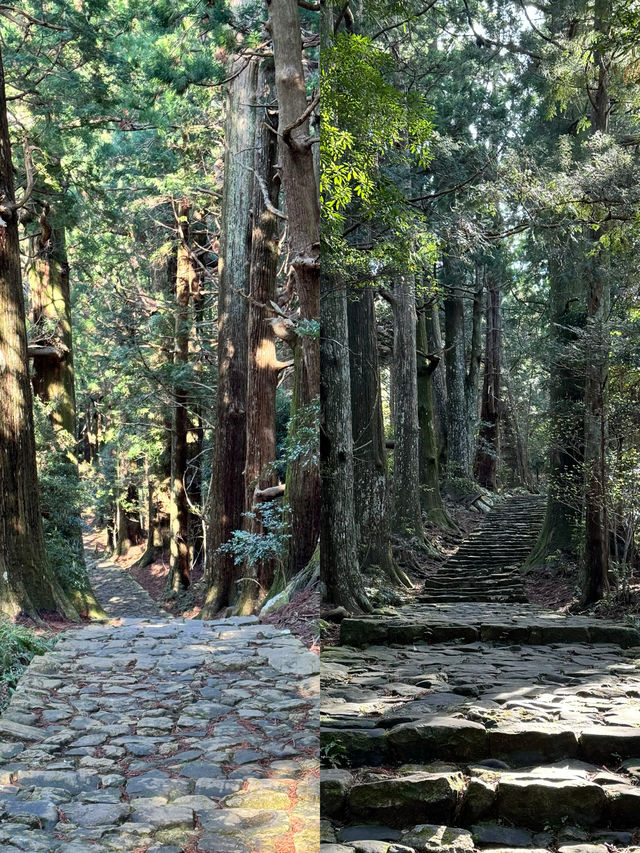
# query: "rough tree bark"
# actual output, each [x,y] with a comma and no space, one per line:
[566,413]
[301,195]
[471,384]
[369,454]
[596,552]
[438,380]
[339,567]
[458,461]
[27,583]
[179,576]
[407,513]
[427,364]
[489,438]
[228,484]
[263,363]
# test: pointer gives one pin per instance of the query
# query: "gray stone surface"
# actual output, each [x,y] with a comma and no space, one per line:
[155,734]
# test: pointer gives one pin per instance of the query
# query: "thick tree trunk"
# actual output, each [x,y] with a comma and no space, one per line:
[339,567]
[488,450]
[26,582]
[369,454]
[179,576]
[458,459]
[406,514]
[566,401]
[596,552]
[300,190]
[228,483]
[471,385]
[427,364]
[438,381]
[263,362]
[52,350]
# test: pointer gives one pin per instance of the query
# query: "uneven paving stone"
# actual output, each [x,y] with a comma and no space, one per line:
[535,714]
[167,734]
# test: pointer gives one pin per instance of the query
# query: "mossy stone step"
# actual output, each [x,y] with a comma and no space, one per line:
[458,739]
[364,631]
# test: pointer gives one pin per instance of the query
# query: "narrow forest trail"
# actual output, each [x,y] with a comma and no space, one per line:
[118,593]
[469,724]
[162,735]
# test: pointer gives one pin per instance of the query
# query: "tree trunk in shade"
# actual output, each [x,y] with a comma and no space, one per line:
[406,512]
[369,453]
[228,483]
[27,583]
[339,566]
[489,437]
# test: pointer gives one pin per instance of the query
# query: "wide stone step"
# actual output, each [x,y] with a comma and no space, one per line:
[375,630]
[458,739]
[500,807]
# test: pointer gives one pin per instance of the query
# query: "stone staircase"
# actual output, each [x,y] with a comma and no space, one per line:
[454,728]
[487,565]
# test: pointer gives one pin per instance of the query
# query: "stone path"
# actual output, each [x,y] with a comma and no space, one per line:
[473,726]
[486,567]
[115,589]
[163,735]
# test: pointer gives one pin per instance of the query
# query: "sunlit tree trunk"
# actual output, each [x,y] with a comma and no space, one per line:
[301,195]
[52,349]
[178,578]
[263,364]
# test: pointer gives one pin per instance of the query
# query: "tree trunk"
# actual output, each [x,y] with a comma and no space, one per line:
[407,514]
[596,553]
[369,454]
[438,381]
[51,315]
[263,362]
[471,385]
[513,444]
[427,363]
[300,190]
[179,576]
[27,583]
[228,483]
[458,459]
[566,412]
[339,568]
[488,450]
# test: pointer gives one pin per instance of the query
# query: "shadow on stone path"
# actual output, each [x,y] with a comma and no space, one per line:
[162,735]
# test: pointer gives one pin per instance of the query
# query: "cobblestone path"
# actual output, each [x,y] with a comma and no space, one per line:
[163,735]
[466,726]
[117,591]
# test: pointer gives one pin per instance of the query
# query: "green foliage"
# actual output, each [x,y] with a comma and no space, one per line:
[270,544]
[61,499]
[18,646]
